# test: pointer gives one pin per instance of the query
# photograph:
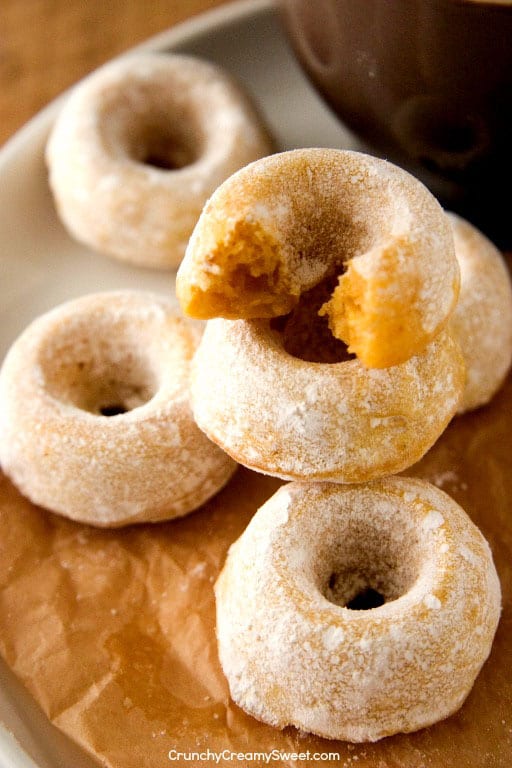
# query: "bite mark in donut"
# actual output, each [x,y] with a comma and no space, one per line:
[281,225]
[361,304]
[253,278]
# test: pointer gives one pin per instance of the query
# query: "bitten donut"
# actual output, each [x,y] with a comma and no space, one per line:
[283,224]
[482,320]
[138,148]
[356,612]
[95,421]
[297,419]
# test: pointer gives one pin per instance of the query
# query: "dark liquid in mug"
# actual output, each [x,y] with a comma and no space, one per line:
[426,84]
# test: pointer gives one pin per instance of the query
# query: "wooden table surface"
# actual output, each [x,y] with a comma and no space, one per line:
[47,45]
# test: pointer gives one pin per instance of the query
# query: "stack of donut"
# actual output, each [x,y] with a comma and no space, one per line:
[351,261]
[337,350]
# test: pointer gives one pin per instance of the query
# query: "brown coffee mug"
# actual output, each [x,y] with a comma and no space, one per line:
[426,84]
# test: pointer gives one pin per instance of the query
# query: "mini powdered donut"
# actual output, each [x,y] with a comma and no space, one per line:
[296,419]
[295,642]
[95,421]
[282,225]
[482,320]
[138,148]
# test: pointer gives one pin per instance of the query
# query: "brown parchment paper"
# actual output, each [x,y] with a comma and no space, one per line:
[113,632]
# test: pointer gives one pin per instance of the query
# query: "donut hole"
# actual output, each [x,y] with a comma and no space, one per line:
[163,146]
[305,334]
[104,371]
[371,568]
[366,599]
[107,387]
[112,410]
[107,395]
[355,591]
[148,128]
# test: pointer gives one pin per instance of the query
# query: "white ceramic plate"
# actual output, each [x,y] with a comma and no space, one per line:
[40,266]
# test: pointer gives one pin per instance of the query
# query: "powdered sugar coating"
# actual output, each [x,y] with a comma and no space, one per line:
[293,656]
[482,321]
[126,349]
[279,226]
[139,109]
[300,420]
